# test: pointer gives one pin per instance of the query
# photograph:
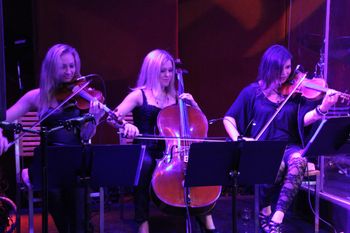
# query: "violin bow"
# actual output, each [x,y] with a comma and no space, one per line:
[50,113]
[262,131]
[154,137]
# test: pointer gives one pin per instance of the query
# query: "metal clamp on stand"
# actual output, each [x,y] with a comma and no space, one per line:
[78,121]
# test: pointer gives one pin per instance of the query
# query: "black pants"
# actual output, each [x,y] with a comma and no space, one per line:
[142,191]
[67,209]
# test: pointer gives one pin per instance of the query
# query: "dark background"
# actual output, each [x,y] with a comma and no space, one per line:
[2,69]
[220,43]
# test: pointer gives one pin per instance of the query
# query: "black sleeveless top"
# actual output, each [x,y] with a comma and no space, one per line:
[145,119]
[62,136]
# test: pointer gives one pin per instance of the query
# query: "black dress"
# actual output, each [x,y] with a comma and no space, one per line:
[145,119]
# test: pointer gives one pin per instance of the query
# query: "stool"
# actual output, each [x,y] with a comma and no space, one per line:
[310,173]
[29,188]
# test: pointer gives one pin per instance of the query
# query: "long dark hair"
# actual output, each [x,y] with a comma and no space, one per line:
[271,65]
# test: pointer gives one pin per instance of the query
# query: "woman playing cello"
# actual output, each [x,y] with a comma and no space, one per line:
[154,91]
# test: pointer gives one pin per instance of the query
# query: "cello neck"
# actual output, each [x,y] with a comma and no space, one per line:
[182,105]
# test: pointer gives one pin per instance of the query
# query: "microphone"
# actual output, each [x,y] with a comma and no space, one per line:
[212,121]
[77,121]
[15,127]
[86,77]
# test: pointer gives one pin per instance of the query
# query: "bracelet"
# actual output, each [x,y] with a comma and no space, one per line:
[320,112]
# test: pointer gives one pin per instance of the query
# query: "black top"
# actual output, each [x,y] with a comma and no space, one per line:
[252,109]
[62,136]
[145,119]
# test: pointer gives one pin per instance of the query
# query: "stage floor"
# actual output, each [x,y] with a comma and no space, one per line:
[161,223]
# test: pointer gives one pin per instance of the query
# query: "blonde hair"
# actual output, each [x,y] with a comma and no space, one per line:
[49,77]
[150,71]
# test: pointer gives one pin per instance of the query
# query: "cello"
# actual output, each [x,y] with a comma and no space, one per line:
[167,186]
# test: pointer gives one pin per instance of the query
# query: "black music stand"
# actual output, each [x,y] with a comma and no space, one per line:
[70,166]
[233,163]
[116,165]
[331,137]
[63,163]
[110,165]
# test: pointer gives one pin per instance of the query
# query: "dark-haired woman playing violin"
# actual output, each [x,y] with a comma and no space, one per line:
[252,110]
[154,91]
[61,65]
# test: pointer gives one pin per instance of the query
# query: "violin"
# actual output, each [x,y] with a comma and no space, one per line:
[83,98]
[312,89]
[83,95]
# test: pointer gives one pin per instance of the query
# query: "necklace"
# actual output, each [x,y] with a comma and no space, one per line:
[161,101]
[274,96]
[279,97]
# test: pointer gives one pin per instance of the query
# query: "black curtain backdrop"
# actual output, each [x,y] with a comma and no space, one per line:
[2,69]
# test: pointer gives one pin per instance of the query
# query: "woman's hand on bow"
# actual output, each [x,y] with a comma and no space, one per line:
[130,130]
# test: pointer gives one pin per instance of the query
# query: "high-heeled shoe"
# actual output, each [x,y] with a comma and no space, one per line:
[264,222]
[275,227]
[203,228]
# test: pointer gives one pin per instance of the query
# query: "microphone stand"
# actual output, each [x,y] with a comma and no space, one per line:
[45,191]
[84,179]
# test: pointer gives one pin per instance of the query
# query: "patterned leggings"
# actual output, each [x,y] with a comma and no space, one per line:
[290,177]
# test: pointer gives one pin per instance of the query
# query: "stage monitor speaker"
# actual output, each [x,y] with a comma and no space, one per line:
[2,68]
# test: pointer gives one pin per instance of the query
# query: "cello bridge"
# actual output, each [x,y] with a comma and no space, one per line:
[186,158]
[182,152]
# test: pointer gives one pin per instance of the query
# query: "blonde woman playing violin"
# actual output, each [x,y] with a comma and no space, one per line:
[61,65]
